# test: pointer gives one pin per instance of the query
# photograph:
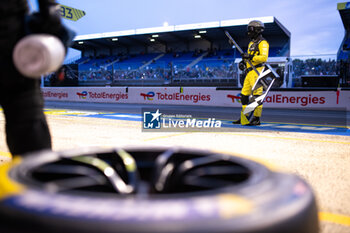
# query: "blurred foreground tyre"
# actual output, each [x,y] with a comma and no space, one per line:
[151,190]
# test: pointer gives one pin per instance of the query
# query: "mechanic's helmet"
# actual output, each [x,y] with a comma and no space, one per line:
[255,28]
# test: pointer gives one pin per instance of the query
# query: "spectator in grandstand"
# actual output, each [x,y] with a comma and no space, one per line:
[344,72]
[314,67]
[20,97]
[258,51]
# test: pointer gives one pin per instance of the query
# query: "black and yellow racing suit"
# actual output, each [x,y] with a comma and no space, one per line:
[20,97]
[259,50]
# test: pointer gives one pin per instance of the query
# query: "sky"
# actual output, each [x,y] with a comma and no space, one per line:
[315,25]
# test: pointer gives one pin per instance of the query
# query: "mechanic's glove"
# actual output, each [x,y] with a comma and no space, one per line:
[247,56]
[49,21]
[242,65]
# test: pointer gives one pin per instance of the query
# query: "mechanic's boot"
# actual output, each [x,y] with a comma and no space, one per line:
[255,121]
[237,122]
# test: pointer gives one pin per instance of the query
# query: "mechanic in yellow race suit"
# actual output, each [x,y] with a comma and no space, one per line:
[258,52]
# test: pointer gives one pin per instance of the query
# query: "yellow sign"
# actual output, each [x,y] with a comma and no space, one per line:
[343,5]
[71,13]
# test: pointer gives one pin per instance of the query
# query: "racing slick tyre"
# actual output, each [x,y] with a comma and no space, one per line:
[151,190]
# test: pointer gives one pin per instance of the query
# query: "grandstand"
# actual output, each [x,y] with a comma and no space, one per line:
[344,50]
[190,54]
[343,55]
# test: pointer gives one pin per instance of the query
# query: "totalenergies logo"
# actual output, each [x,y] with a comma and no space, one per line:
[235,98]
[148,96]
[82,95]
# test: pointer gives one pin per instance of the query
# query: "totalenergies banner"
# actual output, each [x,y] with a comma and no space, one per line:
[82,94]
[305,99]
[204,96]
[175,95]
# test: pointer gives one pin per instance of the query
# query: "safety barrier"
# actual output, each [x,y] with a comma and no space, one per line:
[205,96]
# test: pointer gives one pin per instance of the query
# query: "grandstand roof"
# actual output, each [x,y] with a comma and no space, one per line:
[275,32]
[344,11]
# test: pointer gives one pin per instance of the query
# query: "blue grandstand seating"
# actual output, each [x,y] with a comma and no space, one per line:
[346,44]
[135,61]
[96,63]
[162,62]
[218,59]
[179,60]
[158,65]
[81,60]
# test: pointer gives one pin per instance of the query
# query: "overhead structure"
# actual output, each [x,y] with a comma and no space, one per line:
[344,49]
[186,37]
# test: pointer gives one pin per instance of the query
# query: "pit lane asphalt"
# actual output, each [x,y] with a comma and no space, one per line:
[337,117]
[322,159]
